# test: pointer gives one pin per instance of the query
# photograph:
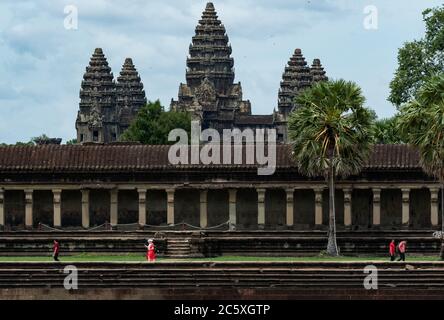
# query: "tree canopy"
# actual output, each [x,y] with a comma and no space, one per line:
[386,131]
[331,120]
[331,133]
[153,124]
[419,60]
[422,123]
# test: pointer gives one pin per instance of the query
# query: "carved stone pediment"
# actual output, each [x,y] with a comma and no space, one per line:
[206,93]
[95,119]
[197,110]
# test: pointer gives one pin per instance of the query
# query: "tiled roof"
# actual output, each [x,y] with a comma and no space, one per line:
[149,157]
[254,120]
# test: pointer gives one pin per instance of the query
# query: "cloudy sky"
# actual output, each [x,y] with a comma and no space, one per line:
[42,62]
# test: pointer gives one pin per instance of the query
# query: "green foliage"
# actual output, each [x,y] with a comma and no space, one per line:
[419,60]
[42,137]
[71,142]
[422,123]
[386,131]
[32,142]
[153,124]
[332,133]
[19,143]
[29,143]
[331,127]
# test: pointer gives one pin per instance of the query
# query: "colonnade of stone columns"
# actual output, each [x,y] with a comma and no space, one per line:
[232,201]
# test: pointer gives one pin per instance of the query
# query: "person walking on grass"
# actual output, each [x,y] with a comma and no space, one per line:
[402,248]
[56,250]
[392,250]
[151,251]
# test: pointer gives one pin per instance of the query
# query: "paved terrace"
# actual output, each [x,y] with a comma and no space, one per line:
[186,244]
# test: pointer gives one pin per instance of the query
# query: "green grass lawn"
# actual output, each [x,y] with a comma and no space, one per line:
[141,258]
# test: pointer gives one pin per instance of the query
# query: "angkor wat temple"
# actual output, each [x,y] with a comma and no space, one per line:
[83,186]
[209,94]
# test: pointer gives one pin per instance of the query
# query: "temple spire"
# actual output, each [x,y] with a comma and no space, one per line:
[295,78]
[130,94]
[317,71]
[96,121]
[210,92]
[209,54]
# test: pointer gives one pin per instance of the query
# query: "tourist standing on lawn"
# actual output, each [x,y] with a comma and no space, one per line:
[151,251]
[55,250]
[402,247]
[392,250]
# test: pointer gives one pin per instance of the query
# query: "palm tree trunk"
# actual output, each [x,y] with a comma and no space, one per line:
[332,246]
[441,254]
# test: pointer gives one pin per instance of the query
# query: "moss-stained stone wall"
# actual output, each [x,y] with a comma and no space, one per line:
[14,202]
[391,208]
[71,207]
[339,206]
[128,206]
[362,208]
[99,207]
[43,208]
[304,209]
[187,206]
[156,206]
[246,208]
[218,207]
[275,208]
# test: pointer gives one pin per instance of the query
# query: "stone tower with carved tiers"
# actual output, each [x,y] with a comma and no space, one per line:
[106,108]
[129,94]
[297,77]
[210,93]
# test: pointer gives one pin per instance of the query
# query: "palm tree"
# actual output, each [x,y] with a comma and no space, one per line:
[331,133]
[422,123]
[386,131]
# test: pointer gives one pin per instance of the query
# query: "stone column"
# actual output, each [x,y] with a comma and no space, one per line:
[2,208]
[318,206]
[170,206]
[261,208]
[376,206]
[85,208]
[290,207]
[434,206]
[28,208]
[347,207]
[232,208]
[57,194]
[114,207]
[405,206]
[203,208]
[142,206]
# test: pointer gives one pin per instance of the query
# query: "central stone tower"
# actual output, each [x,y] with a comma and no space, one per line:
[210,93]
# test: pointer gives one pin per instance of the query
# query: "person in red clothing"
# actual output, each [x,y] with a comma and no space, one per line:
[56,250]
[151,251]
[401,248]
[392,250]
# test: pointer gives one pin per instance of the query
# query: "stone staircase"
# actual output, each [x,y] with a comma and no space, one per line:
[178,248]
[206,280]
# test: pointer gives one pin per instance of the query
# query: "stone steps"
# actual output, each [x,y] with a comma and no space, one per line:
[297,276]
[178,248]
